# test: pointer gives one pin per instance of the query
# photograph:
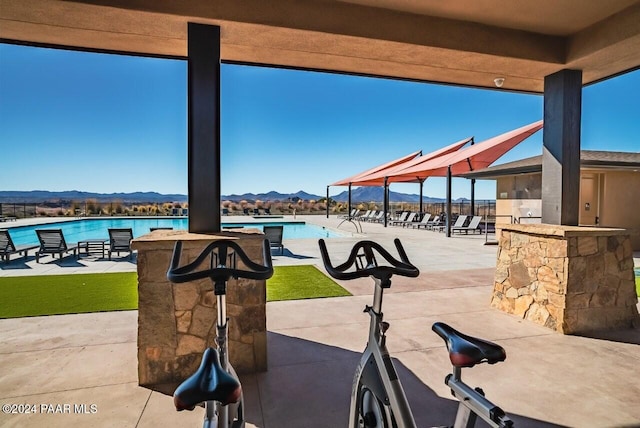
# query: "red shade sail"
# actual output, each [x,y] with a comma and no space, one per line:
[353,179]
[471,158]
[377,178]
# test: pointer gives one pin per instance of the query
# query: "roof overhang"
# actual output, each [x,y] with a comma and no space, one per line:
[589,159]
[458,42]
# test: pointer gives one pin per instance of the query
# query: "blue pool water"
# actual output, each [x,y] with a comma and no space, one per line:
[78,230]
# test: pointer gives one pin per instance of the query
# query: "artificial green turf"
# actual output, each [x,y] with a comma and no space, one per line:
[26,296]
[67,294]
[301,282]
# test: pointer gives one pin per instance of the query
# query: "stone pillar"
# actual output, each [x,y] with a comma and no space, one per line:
[570,279]
[176,322]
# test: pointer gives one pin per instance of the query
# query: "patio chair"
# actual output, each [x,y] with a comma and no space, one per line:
[437,220]
[274,235]
[225,211]
[120,241]
[424,222]
[402,218]
[7,247]
[376,218]
[459,223]
[52,242]
[472,227]
[256,211]
[267,211]
[352,214]
[407,222]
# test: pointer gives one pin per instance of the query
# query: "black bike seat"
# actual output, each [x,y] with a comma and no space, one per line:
[209,382]
[467,351]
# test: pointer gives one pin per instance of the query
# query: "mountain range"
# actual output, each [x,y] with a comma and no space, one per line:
[360,194]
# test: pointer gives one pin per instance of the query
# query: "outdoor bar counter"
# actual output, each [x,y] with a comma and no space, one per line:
[571,279]
[176,322]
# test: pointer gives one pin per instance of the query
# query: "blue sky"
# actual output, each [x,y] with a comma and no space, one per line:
[110,123]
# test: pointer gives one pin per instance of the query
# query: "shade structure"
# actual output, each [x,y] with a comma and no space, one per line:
[354,178]
[471,158]
[377,178]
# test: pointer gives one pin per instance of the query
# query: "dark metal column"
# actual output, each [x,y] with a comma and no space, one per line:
[561,147]
[386,201]
[448,214]
[473,196]
[421,186]
[204,127]
[349,202]
[327,201]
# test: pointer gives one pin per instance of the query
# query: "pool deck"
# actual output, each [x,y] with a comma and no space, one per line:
[548,379]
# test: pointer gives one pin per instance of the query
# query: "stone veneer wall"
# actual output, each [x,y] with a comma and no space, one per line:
[176,322]
[570,279]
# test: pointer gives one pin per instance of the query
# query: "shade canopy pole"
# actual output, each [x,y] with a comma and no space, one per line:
[327,201]
[473,196]
[349,202]
[386,200]
[203,83]
[421,187]
[448,213]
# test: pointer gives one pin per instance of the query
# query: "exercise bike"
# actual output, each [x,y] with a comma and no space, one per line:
[377,397]
[215,382]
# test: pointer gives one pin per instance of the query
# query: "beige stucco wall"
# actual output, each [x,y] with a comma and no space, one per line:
[619,206]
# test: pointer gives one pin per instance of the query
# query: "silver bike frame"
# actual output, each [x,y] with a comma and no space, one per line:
[377,372]
[217,415]
[473,404]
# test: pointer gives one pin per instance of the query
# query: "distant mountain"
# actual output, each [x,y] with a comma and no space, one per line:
[361,194]
[76,195]
[376,194]
[271,196]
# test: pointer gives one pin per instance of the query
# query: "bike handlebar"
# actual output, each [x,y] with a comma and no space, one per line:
[402,267]
[222,272]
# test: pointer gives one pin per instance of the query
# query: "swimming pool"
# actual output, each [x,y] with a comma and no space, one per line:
[97,228]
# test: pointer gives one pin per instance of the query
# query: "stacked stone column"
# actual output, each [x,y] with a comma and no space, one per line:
[570,279]
[177,322]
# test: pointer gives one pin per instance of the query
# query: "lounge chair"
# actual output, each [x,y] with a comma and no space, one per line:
[408,222]
[402,218]
[7,218]
[352,214]
[472,227]
[7,247]
[379,218]
[52,242]
[459,223]
[274,235]
[424,222]
[363,216]
[432,224]
[120,241]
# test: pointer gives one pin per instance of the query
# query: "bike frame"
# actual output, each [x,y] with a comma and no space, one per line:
[377,372]
[216,415]
[473,404]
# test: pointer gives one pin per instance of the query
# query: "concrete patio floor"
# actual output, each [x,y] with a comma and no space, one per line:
[548,379]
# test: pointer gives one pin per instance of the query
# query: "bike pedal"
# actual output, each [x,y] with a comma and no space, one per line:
[384,326]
